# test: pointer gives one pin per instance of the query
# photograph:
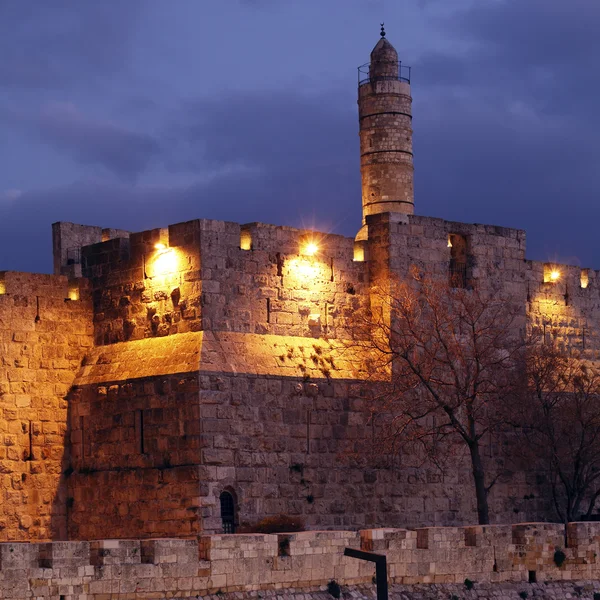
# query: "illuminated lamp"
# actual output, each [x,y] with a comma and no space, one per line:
[310,249]
[160,246]
[554,275]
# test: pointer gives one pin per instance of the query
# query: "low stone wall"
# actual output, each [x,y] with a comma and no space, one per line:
[302,561]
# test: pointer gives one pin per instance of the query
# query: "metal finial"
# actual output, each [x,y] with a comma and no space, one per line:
[382,30]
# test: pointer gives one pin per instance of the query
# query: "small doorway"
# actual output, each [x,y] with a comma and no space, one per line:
[228,512]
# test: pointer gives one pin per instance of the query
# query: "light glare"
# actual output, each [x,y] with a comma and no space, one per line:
[165,263]
[311,249]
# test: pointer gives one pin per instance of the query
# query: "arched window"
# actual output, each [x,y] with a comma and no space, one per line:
[228,512]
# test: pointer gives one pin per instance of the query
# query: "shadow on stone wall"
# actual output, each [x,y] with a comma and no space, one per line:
[62,501]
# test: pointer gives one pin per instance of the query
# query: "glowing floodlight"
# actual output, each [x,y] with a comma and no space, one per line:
[160,246]
[310,249]
[554,275]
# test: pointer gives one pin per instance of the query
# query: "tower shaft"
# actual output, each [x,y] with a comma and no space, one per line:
[386,154]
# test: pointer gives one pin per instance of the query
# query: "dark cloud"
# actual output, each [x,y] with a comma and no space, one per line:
[122,152]
[256,158]
[271,131]
[505,121]
[504,124]
[53,44]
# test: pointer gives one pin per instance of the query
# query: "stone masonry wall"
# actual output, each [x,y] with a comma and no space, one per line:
[288,446]
[135,441]
[274,427]
[566,311]
[203,279]
[45,330]
[302,561]
[135,451]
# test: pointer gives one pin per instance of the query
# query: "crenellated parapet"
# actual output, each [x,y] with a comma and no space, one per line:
[529,552]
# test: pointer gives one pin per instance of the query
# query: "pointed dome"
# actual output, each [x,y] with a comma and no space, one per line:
[384,60]
[384,51]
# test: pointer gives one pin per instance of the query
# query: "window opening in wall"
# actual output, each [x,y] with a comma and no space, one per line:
[139,417]
[227,512]
[585,278]
[245,239]
[30,441]
[458,260]
[308,417]
[73,256]
[532,577]
[83,437]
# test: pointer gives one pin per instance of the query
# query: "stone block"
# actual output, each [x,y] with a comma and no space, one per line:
[60,555]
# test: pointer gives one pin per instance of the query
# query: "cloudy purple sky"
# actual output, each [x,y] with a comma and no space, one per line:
[139,113]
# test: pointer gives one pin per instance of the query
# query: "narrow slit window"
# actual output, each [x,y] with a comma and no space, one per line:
[139,426]
[457,244]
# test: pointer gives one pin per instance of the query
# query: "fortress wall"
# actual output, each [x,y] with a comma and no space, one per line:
[288,446]
[274,288]
[565,312]
[302,561]
[142,292]
[204,280]
[43,336]
[495,255]
[135,450]
[135,440]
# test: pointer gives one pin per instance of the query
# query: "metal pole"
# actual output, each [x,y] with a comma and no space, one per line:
[381,576]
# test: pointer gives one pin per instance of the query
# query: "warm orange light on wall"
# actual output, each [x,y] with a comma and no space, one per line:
[585,278]
[307,270]
[165,262]
[160,246]
[304,269]
[73,291]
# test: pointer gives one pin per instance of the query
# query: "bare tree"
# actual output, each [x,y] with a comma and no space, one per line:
[560,418]
[452,356]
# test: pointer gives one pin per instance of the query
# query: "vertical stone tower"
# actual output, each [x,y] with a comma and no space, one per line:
[386,158]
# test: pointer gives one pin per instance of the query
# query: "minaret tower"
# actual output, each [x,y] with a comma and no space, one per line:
[386,158]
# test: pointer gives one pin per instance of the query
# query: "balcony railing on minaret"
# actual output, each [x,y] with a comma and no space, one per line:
[388,71]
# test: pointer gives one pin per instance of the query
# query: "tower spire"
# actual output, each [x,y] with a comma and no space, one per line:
[383,30]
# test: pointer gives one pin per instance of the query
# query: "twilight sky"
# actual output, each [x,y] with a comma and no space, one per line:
[140,113]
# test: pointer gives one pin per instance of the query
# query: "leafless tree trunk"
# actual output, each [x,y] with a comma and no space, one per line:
[451,358]
[560,419]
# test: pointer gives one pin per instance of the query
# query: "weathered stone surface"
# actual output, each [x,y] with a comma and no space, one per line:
[302,565]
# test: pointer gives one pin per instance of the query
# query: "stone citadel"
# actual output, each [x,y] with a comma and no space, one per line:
[184,380]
